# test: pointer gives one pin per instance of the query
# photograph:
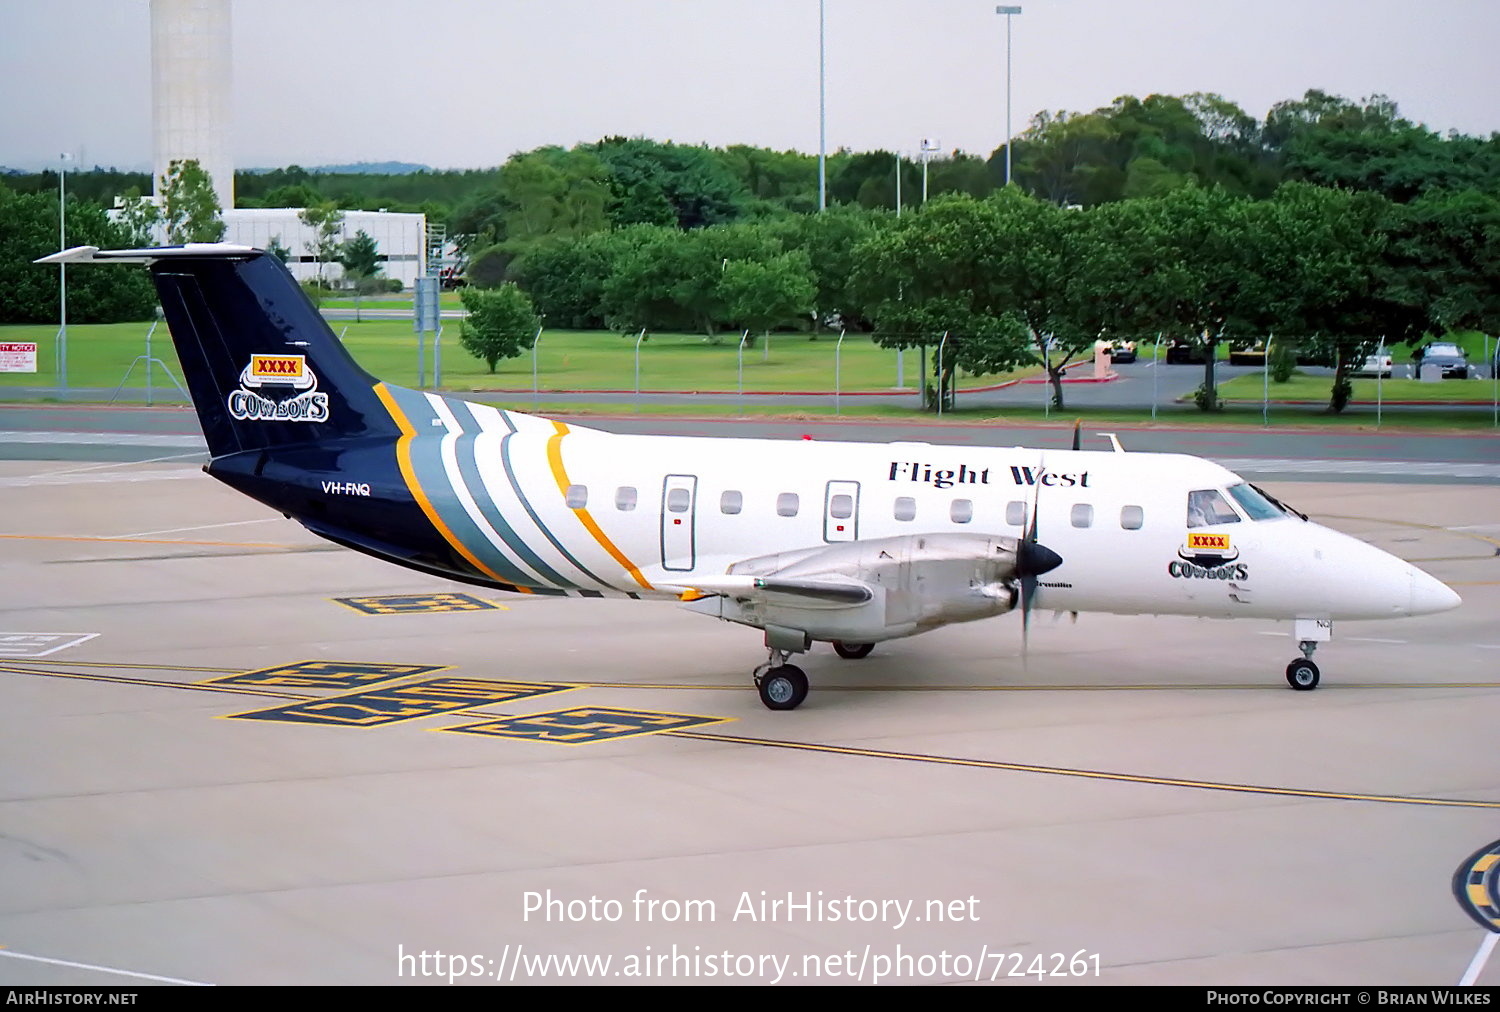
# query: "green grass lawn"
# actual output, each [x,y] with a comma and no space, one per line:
[1316,388]
[99,355]
[446,300]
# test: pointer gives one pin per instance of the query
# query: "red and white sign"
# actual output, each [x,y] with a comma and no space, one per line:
[17,356]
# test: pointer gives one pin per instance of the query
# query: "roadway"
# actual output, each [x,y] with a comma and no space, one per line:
[81,432]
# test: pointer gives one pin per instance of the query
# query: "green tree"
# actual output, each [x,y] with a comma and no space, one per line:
[277,250]
[761,295]
[939,270]
[28,230]
[326,221]
[501,323]
[692,181]
[829,240]
[360,258]
[1184,264]
[189,207]
[138,217]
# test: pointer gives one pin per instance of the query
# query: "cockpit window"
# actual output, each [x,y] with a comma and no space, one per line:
[1255,505]
[1289,511]
[1207,506]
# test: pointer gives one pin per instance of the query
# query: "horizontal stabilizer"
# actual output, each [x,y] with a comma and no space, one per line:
[95,255]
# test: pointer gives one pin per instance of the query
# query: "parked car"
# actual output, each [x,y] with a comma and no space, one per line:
[1185,353]
[1254,354]
[1119,351]
[1376,365]
[1445,354]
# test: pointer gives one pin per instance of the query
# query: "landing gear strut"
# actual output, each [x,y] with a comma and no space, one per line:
[782,686]
[1302,674]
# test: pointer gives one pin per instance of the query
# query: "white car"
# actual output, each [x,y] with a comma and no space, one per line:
[1375,365]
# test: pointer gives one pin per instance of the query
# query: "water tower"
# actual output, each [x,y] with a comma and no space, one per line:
[190,89]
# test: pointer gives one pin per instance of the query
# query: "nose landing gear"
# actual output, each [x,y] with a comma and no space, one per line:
[1302,674]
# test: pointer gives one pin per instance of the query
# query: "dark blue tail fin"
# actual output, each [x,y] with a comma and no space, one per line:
[263,367]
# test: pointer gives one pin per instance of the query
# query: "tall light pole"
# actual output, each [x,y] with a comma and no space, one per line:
[929,145]
[822,112]
[1008,12]
[62,274]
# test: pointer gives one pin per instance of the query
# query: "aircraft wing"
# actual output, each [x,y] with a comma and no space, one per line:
[829,592]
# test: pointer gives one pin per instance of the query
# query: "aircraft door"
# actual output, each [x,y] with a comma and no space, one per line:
[841,511]
[679,511]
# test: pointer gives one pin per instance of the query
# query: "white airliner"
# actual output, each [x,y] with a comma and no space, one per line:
[846,543]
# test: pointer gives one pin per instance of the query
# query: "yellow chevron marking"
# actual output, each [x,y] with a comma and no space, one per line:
[409,475]
[560,474]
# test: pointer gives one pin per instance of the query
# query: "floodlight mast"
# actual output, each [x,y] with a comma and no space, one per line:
[1009,12]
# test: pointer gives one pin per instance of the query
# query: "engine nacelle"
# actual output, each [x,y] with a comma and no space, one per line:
[919,582]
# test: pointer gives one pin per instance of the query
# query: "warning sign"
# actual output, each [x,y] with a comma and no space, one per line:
[17,356]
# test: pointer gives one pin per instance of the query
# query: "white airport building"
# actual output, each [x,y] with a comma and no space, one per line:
[400,239]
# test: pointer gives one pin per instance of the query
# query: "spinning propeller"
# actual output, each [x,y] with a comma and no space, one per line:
[1032,560]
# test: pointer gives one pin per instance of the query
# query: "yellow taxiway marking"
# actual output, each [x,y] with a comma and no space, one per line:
[1158,687]
[153,683]
[868,753]
[1064,771]
[105,664]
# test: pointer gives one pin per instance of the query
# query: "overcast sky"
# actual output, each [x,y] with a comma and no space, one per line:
[465,83]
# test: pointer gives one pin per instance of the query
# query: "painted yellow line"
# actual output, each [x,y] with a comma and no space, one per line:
[409,475]
[560,475]
[1063,771]
[1159,687]
[109,664]
[141,541]
[153,683]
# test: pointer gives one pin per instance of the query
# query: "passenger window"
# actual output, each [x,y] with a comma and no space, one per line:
[786,504]
[678,499]
[624,498]
[731,502]
[906,508]
[1082,515]
[1132,517]
[1015,514]
[577,496]
[841,506]
[1207,506]
[962,511]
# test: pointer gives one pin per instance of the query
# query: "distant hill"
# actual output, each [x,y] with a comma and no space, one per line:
[360,168]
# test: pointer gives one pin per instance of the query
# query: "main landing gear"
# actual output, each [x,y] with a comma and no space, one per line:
[1302,674]
[852,651]
[782,686]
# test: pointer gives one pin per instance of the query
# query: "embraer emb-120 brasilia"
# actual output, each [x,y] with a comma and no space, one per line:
[847,543]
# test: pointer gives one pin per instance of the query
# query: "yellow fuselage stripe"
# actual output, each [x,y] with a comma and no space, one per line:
[409,475]
[554,458]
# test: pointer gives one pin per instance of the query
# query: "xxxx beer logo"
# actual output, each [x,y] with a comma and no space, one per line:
[1208,542]
[1208,555]
[278,370]
[264,385]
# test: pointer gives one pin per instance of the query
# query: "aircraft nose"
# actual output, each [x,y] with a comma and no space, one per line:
[1429,595]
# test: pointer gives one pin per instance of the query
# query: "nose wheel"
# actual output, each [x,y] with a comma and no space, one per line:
[1302,674]
[782,686]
